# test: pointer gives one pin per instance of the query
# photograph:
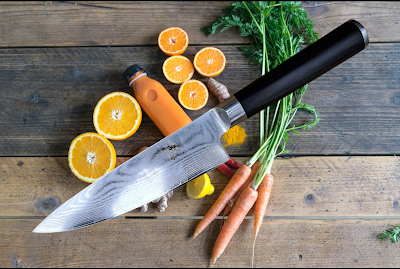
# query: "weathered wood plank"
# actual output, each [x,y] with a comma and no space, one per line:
[112,23]
[304,186]
[93,23]
[48,96]
[379,18]
[167,243]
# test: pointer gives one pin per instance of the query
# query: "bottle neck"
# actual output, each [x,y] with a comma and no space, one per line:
[135,77]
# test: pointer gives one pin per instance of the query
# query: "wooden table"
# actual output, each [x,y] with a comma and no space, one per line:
[332,195]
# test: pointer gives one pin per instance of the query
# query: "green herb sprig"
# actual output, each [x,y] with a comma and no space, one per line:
[392,234]
[277,30]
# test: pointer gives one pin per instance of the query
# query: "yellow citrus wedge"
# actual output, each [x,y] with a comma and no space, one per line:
[117,116]
[199,187]
[173,41]
[193,94]
[91,156]
[209,62]
[178,69]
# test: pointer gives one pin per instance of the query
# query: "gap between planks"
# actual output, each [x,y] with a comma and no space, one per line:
[220,217]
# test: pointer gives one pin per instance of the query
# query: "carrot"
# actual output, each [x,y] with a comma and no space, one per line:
[229,206]
[264,191]
[242,206]
[238,179]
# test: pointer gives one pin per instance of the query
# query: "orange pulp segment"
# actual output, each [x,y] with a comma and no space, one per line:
[178,69]
[193,94]
[209,61]
[91,156]
[117,116]
[173,41]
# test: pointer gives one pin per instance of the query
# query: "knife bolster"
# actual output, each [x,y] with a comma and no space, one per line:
[234,110]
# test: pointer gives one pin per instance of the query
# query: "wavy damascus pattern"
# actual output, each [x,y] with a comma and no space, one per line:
[168,164]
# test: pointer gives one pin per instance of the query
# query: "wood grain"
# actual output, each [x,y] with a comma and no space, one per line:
[49,94]
[167,243]
[378,17]
[304,186]
[116,23]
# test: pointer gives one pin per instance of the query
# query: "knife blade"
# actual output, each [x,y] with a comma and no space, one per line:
[196,148]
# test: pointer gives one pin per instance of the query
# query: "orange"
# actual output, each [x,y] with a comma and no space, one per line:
[193,94]
[209,62]
[178,69]
[91,156]
[173,41]
[117,116]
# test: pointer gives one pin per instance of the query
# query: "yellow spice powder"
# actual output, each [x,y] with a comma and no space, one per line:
[234,136]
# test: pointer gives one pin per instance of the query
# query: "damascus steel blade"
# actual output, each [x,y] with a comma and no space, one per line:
[173,161]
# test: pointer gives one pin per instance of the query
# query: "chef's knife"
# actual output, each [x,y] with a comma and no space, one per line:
[196,148]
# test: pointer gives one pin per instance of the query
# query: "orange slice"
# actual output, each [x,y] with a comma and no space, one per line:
[117,116]
[178,69]
[193,94]
[91,156]
[173,41]
[209,62]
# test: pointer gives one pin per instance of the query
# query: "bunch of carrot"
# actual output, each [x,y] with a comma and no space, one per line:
[278,28]
[238,197]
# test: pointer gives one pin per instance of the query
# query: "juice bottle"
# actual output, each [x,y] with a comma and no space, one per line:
[160,106]
[156,101]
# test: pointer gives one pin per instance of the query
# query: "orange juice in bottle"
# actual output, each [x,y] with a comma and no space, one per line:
[156,101]
[161,107]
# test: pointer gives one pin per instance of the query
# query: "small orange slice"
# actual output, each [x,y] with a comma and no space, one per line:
[178,69]
[91,156]
[193,94]
[173,41]
[209,62]
[117,116]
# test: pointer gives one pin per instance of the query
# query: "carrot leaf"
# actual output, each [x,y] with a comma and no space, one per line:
[277,30]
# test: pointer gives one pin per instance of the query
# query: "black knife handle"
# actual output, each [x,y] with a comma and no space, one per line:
[305,66]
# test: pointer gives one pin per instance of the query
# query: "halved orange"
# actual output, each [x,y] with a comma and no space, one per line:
[209,61]
[193,94]
[178,69]
[117,116]
[173,41]
[91,156]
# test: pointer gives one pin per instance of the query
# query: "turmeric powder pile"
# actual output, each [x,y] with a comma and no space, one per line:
[235,136]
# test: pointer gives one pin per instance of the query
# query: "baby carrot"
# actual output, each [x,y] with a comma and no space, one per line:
[264,191]
[238,179]
[242,206]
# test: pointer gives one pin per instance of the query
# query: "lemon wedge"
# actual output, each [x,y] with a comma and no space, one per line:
[199,187]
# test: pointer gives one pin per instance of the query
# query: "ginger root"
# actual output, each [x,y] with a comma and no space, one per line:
[219,89]
[161,201]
